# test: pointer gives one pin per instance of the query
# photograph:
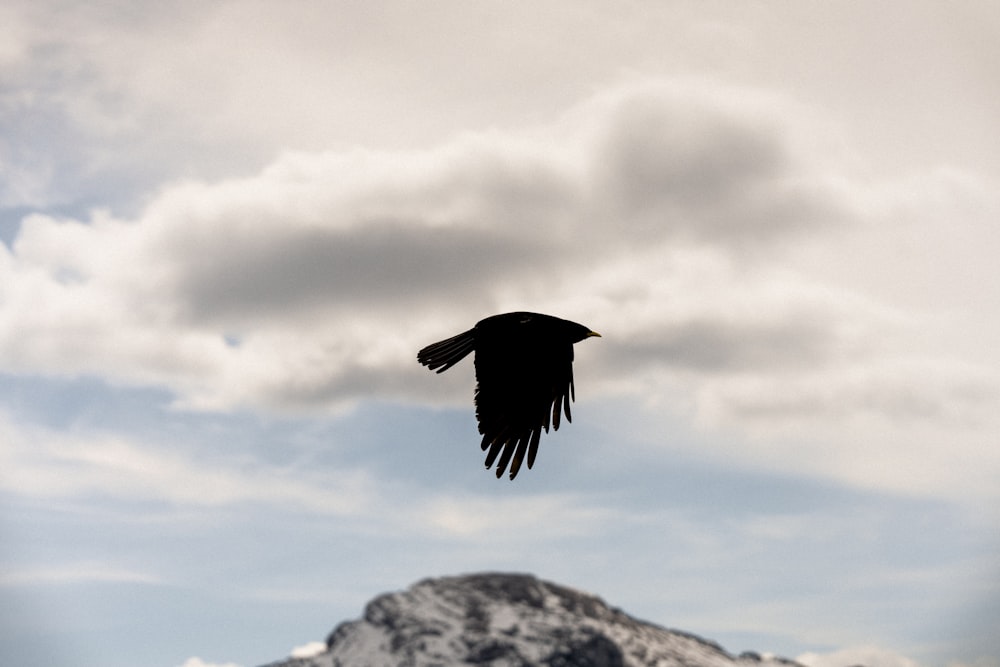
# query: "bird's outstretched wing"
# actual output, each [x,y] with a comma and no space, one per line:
[444,354]
[521,390]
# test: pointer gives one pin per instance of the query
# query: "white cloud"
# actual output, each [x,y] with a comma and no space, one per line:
[481,519]
[308,263]
[866,656]
[907,427]
[84,466]
[666,215]
[75,573]
[42,463]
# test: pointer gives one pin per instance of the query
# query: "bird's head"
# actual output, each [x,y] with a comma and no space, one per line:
[580,332]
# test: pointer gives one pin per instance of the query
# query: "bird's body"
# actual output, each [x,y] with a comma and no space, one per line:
[524,379]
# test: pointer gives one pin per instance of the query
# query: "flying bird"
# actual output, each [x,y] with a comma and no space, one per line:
[524,379]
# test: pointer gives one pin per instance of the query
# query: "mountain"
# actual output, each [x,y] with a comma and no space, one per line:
[511,620]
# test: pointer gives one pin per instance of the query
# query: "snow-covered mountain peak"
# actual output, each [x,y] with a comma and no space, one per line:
[510,620]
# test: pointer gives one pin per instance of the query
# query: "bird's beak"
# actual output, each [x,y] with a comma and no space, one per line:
[593,333]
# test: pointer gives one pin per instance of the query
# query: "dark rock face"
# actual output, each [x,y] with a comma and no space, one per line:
[598,651]
[510,620]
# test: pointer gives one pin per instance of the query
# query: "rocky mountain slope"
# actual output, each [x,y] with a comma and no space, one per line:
[513,620]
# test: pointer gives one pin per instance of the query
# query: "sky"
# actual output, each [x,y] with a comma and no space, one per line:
[227,227]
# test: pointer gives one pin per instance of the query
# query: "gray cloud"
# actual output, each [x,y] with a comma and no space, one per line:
[687,167]
[487,214]
[653,151]
[386,262]
[714,346]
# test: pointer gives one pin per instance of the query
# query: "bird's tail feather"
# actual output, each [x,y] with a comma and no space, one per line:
[444,354]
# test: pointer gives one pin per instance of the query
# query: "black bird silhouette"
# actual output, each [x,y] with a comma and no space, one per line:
[524,379]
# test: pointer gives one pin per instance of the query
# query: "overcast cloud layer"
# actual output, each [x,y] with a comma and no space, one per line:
[668,216]
[228,227]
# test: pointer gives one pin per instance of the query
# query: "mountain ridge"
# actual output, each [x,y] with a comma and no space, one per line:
[511,620]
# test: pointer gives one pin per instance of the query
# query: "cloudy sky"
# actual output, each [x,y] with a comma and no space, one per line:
[227,227]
